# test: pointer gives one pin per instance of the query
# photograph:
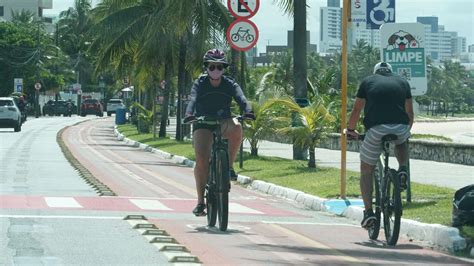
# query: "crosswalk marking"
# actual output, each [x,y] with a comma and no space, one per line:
[62,202]
[238,208]
[145,204]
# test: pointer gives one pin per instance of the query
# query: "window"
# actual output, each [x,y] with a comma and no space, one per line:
[1,11]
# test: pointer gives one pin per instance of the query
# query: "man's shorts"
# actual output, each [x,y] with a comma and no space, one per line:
[372,145]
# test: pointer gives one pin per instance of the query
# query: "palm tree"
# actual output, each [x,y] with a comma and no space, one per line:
[262,126]
[298,10]
[314,123]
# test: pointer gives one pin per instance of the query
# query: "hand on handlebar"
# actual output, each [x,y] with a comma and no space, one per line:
[351,134]
[189,119]
[249,116]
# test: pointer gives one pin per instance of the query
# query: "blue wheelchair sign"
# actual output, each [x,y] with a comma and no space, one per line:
[380,12]
[19,88]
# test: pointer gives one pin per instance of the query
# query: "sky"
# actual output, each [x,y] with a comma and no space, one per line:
[273,24]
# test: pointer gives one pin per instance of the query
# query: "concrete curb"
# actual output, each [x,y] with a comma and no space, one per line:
[436,235]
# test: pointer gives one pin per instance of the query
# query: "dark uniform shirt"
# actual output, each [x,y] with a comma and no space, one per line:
[207,100]
[385,96]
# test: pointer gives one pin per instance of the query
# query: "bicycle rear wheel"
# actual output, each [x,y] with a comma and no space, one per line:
[374,230]
[223,184]
[211,206]
[392,210]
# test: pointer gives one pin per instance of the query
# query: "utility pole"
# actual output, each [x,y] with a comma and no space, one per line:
[38,57]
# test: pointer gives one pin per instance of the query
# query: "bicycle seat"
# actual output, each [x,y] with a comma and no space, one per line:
[389,137]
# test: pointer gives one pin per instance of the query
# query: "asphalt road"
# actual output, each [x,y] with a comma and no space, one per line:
[42,223]
[262,230]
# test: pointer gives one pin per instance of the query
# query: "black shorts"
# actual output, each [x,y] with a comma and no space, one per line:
[197,126]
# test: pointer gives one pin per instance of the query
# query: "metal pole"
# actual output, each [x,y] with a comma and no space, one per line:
[345,18]
[242,84]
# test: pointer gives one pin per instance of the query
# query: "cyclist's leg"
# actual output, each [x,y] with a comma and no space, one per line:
[366,183]
[402,153]
[202,142]
[232,130]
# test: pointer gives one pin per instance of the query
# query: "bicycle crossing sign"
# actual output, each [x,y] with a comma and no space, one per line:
[242,34]
[243,8]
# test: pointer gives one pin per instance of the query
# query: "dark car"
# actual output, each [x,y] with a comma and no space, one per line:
[56,108]
[92,106]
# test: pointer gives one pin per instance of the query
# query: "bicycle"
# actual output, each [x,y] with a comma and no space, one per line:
[388,199]
[217,189]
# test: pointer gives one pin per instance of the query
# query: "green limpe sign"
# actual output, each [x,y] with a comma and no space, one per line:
[403,47]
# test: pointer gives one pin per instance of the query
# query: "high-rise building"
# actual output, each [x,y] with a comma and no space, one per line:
[36,7]
[441,44]
[331,28]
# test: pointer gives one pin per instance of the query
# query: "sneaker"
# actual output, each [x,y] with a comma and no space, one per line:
[403,174]
[369,219]
[233,175]
[199,210]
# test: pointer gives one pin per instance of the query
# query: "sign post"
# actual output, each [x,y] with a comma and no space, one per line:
[18,85]
[37,107]
[402,45]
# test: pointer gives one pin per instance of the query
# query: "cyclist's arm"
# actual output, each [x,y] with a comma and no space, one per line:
[241,100]
[409,110]
[192,102]
[355,114]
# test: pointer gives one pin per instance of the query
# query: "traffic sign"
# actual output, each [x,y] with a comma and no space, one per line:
[242,34]
[243,8]
[37,86]
[18,84]
[380,12]
[402,45]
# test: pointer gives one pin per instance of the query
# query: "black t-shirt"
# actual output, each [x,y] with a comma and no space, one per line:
[385,96]
[207,100]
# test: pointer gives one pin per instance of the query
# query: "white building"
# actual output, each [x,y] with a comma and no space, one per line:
[331,27]
[331,30]
[36,7]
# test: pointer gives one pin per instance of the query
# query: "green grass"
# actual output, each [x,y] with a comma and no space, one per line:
[430,204]
[431,137]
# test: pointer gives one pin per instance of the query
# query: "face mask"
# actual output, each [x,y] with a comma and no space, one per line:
[216,74]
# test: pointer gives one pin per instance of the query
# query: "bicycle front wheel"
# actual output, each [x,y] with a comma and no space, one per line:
[223,184]
[374,230]
[392,208]
[211,206]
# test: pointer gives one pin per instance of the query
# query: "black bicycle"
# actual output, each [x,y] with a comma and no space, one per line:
[218,183]
[388,200]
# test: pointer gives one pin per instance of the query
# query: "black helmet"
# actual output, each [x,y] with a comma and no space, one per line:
[382,67]
[215,56]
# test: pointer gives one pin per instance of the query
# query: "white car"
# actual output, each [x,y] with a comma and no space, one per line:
[113,105]
[10,116]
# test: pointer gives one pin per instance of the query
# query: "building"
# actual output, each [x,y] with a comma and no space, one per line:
[471,48]
[440,44]
[331,30]
[331,27]
[276,50]
[36,7]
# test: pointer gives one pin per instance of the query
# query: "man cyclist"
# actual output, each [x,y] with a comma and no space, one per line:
[388,109]
[211,95]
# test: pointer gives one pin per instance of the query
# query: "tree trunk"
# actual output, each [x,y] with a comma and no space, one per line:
[299,64]
[166,94]
[181,85]
[312,159]
[234,64]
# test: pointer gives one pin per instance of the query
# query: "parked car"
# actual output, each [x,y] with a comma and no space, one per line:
[10,116]
[113,105]
[92,106]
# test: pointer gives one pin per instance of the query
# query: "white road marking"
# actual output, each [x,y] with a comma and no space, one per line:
[62,202]
[145,204]
[62,217]
[308,223]
[235,207]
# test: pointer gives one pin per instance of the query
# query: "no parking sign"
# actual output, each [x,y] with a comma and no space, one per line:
[242,34]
